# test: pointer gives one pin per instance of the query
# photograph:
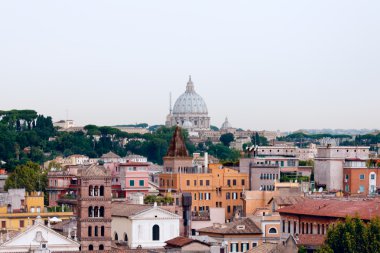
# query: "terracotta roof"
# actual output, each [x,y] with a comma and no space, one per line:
[366,209]
[177,146]
[266,247]
[179,241]
[94,170]
[286,200]
[242,226]
[310,240]
[134,164]
[126,210]
[110,155]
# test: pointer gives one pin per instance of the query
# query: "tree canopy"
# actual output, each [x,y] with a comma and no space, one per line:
[353,235]
[226,139]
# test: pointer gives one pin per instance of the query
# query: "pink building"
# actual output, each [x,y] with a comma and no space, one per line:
[133,177]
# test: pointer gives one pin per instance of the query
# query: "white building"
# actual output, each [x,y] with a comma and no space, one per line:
[64,124]
[39,239]
[143,225]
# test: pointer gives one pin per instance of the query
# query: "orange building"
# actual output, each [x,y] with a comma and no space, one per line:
[359,178]
[210,186]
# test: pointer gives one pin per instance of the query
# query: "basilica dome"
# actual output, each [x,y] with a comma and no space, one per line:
[189,111]
[190,102]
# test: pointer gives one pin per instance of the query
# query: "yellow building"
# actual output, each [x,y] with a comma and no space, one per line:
[23,214]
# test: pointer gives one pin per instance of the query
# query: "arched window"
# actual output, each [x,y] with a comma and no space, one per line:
[102,231]
[272,231]
[101,247]
[101,211]
[96,231]
[125,237]
[9,208]
[96,211]
[90,211]
[89,231]
[101,191]
[116,237]
[156,233]
[91,247]
[90,191]
[96,191]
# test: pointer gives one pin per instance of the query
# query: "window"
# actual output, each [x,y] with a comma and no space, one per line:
[272,231]
[347,177]
[141,182]
[90,212]
[116,237]
[229,182]
[102,190]
[372,176]
[323,229]
[228,195]
[32,209]
[156,233]
[319,229]
[90,247]
[3,224]
[289,227]
[188,182]
[102,231]
[234,182]
[347,188]
[22,224]
[361,177]
[361,188]
[207,182]
[242,182]
[228,209]
[195,196]
[101,247]
[132,183]
[294,227]
[101,213]
[89,231]
[125,237]
[254,244]
[195,182]
[200,196]
[96,231]
[234,195]
[201,182]
[283,226]
[234,247]
[244,247]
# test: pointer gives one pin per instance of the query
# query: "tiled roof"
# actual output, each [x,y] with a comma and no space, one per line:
[366,209]
[179,241]
[110,155]
[94,170]
[310,240]
[287,200]
[177,146]
[267,247]
[126,210]
[242,226]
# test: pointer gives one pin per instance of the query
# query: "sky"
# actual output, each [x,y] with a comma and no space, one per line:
[273,65]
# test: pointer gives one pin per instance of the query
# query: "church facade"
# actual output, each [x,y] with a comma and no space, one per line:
[189,111]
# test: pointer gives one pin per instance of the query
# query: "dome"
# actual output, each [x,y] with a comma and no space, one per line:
[187,125]
[190,102]
[226,124]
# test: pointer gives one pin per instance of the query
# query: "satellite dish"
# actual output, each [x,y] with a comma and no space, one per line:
[320,189]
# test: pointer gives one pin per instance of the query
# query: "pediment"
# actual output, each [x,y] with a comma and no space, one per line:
[36,235]
[155,213]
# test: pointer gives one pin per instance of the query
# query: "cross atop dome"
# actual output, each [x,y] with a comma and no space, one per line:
[190,85]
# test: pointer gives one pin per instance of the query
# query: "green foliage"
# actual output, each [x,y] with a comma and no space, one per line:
[306,163]
[259,140]
[226,139]
[353,235]
[214,128]
[150,199]
[28,176]
[302,249]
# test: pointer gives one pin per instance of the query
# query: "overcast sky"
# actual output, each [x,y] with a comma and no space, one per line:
[265,64]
